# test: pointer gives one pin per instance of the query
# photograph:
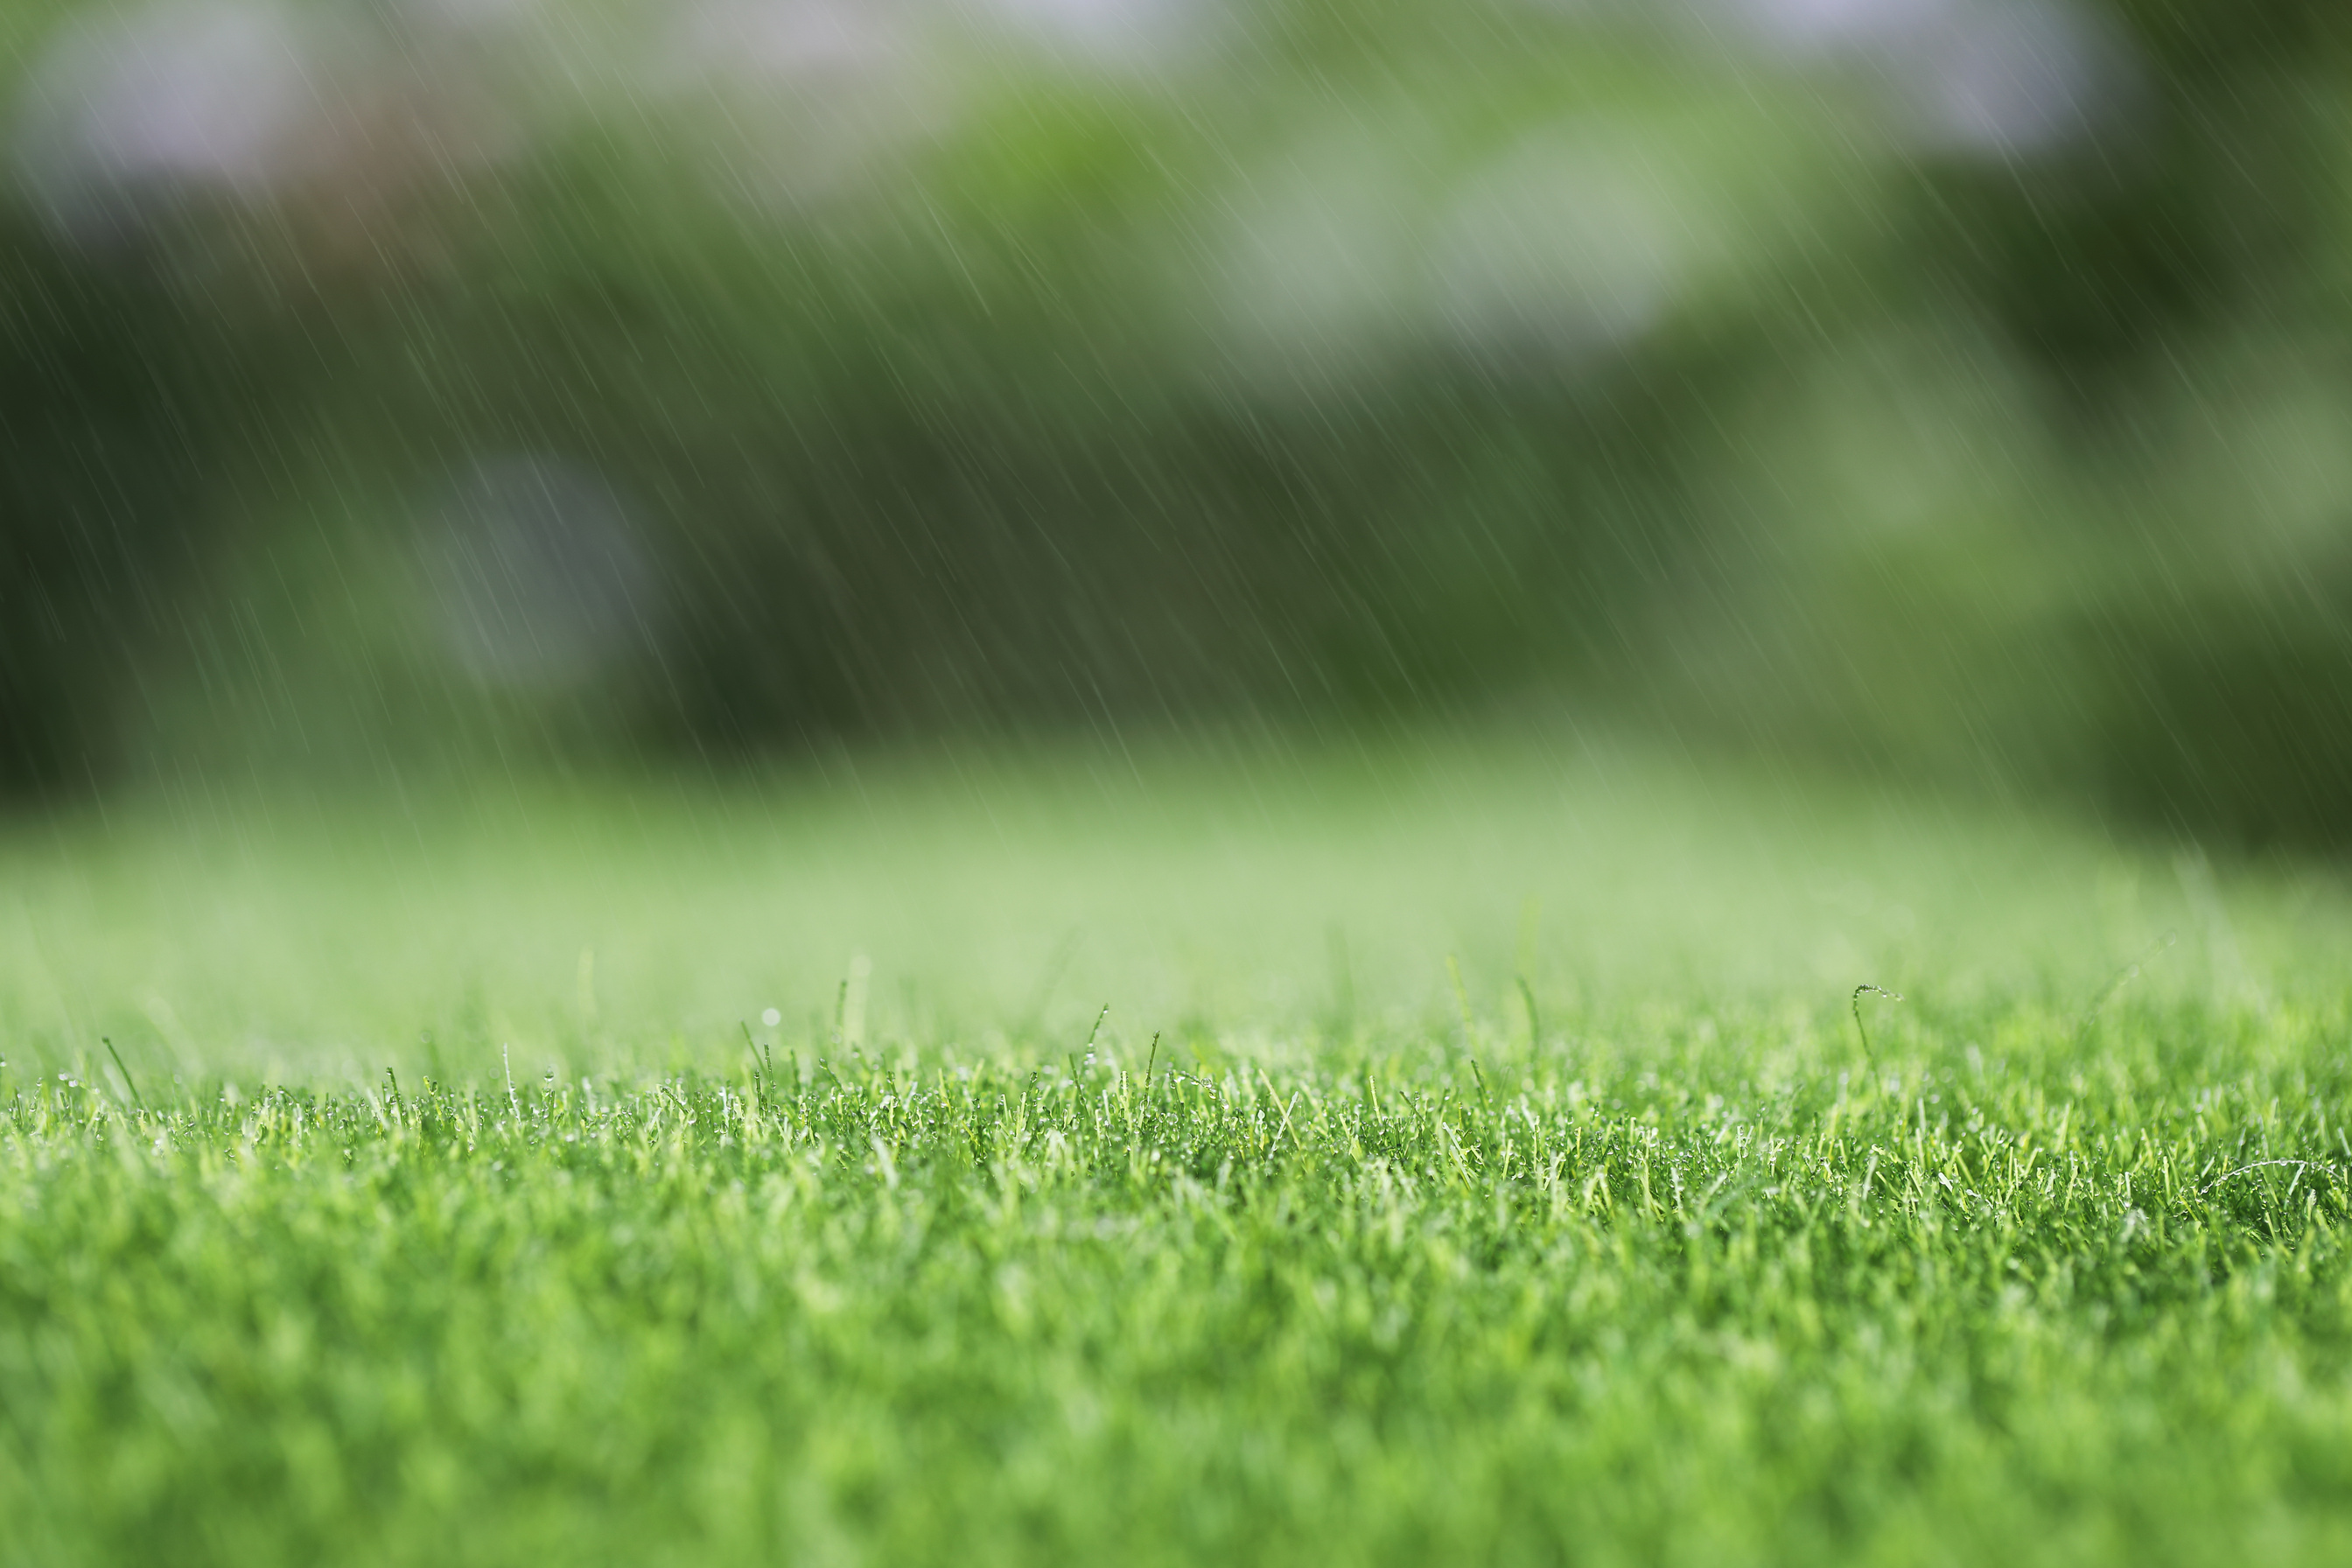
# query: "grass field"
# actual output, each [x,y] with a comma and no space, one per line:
[1479,1160]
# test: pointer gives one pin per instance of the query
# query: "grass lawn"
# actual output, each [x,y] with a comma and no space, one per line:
[1478,1161]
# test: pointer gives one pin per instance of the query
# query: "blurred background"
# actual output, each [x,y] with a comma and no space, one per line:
[1956,391]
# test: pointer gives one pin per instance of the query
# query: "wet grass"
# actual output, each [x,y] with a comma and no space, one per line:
[1567,1261]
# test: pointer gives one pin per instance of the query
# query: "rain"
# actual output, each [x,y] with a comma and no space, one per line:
[730,640]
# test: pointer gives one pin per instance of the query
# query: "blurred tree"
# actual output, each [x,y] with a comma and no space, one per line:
[97,494]
[774,373]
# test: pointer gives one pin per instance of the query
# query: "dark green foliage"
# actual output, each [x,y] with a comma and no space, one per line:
[1002,430]
[2237,725]
[100,524]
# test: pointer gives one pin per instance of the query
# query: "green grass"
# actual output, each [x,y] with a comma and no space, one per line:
[404,1232]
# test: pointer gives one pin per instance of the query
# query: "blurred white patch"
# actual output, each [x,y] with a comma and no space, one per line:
[1565,244]
[788,42]
[539,579]
[815,92]
[1322,266]
[1812,24]
[1990,77]
[1143,33]
[211,93]
[126,118]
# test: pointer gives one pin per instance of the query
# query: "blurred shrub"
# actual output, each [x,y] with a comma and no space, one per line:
[1876,382]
